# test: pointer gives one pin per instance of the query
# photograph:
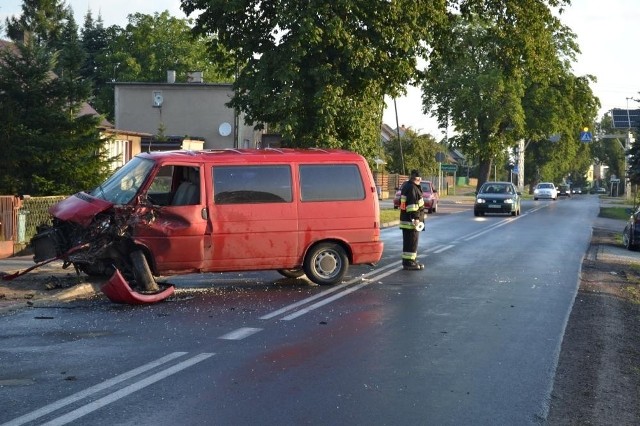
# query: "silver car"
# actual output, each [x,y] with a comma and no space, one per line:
[545,190]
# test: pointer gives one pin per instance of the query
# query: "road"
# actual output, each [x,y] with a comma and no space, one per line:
[472,339]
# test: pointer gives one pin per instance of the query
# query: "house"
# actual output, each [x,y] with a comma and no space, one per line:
[192,110]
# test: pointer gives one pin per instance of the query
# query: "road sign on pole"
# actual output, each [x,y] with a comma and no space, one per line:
[449,167]
[585,137]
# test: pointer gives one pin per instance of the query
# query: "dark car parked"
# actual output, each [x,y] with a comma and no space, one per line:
[497,197]
[564,191]
[631,233]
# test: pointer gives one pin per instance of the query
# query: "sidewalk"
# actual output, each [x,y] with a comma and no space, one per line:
[45,285]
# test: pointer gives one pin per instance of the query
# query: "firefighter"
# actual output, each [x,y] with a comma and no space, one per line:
[411,220]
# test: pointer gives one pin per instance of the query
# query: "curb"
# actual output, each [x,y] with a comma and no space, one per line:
[78,291]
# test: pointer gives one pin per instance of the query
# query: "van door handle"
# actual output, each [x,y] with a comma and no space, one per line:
[204,213]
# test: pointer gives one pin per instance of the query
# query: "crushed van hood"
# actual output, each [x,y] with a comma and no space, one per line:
[79,208]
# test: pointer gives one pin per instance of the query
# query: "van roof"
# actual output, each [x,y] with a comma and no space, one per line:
[253,155]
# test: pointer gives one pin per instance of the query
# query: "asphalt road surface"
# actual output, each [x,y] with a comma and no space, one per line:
[471,340]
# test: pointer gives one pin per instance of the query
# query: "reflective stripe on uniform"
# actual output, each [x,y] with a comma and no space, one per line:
[415,207]
[409,256]
[407,225]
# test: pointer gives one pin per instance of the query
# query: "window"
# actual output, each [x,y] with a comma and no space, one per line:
[252,184]
[332,182]
[119,151]
[123,185]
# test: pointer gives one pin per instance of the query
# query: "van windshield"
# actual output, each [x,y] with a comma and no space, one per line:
[124,184]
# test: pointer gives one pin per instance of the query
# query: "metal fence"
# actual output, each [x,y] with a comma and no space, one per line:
[34,212]
[19,218]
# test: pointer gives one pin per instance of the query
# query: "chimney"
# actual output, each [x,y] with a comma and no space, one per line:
[194,77]
[171,76]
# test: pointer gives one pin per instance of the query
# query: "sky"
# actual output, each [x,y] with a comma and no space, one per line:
[607,32]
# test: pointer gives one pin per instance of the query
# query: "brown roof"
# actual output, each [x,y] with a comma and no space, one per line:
[87,109]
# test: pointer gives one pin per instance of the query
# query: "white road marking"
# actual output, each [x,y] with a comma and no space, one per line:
[491,228]
[240,333]
[324,293]
[92,390]
[369,277]
[440,250]
[337,296]
[95,405]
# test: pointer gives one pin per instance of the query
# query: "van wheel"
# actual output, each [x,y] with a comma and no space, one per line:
[291,273]
[142,272]
[326,263]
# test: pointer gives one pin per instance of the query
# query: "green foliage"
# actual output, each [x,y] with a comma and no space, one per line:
[143,51]
[318,74]
[47,148]
[42,22]
[610,151]
[633,166]
[499,72]
[562,105]
[418,152]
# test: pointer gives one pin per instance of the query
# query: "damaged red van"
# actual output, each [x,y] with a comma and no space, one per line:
[299,212]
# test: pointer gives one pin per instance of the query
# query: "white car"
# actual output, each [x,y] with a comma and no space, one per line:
[545,190]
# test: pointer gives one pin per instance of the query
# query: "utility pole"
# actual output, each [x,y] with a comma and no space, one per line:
[404,172]
[520,163]
[627,145]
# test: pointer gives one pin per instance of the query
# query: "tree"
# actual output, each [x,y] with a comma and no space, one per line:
[610,151]
[633,167]
[318,74]
[418,152]
[481,69]
[43,21]
[563,105]
[148,47]
[47,147]
[94,39]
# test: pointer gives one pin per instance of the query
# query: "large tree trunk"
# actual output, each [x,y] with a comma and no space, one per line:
[484,171]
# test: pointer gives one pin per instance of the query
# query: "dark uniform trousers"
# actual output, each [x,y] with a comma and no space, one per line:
[410,241]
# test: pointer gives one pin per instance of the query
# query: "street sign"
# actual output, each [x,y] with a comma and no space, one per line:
[449,167]
[585,137]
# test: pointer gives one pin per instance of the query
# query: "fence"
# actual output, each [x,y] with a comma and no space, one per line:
[19,218]
[387,183]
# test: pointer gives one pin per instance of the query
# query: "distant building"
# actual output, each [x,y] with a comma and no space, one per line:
[192,110]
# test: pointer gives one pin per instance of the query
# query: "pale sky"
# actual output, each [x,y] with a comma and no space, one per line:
[608,34]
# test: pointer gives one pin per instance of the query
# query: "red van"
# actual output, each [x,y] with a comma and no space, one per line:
[299,212]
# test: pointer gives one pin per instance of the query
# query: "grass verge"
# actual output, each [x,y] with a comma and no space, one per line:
[389,215]
[615,212]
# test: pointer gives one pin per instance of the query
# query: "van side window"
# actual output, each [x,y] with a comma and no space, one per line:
[176,186]
[252,184]
[335,182]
